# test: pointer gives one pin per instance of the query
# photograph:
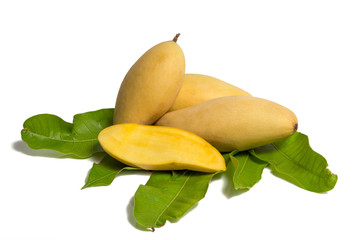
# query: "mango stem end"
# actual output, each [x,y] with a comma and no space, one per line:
[176,37]
[295,127]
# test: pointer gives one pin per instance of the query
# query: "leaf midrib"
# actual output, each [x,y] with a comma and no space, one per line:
[176,195]
[297,164]
[116,172]
[243,166]
[62,140]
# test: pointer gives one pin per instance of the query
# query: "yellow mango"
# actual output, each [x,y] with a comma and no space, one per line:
[160,148]
[198,88]
[234,122]
[151,85]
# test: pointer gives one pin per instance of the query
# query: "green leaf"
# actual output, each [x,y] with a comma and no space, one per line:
[226,157]
[168,196]
[103,173]
[47,131]
[294,160]
[245,169]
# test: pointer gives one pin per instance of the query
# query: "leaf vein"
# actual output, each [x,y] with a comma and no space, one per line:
[100,178]
[243,166]
[64,140]
[176,195]
[296,163]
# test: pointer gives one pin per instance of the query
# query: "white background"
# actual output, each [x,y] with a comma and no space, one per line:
[68,57]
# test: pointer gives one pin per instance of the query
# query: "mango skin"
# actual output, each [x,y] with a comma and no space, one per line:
[160,148]
[198,88]
[235,122]
[151,85]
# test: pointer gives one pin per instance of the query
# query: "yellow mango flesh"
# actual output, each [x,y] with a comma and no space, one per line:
[151,85]
[160,148]
[198,88]
[235,122]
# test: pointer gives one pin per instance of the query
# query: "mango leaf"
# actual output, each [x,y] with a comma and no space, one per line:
[168,196]
[244,169]
[294,160]
[226,157]
[103,173]
[47,131]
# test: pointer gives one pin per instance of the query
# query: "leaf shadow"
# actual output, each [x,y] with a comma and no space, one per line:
[229,189]
[22,147]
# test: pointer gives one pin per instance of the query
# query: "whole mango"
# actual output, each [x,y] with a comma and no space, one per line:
[151,85]
[235,122]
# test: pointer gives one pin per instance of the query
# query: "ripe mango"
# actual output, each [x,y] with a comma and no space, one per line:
[151,85]
[234,122]
[160,148]
[198,88]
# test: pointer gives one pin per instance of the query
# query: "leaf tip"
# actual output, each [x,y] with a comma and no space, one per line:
[333,180]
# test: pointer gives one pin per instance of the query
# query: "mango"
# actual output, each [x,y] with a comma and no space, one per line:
[234,122]
[151,85]
[198,88]
[160,148]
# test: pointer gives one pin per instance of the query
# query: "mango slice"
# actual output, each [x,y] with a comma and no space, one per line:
[160,148]
[235,122]
[198,88]
[151,85]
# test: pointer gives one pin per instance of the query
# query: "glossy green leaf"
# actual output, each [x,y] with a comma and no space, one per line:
[244,169]
[47,131]
[294,160]
[168,196]
[103,173]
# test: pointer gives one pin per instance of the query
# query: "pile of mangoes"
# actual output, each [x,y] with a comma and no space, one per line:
[165,119]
